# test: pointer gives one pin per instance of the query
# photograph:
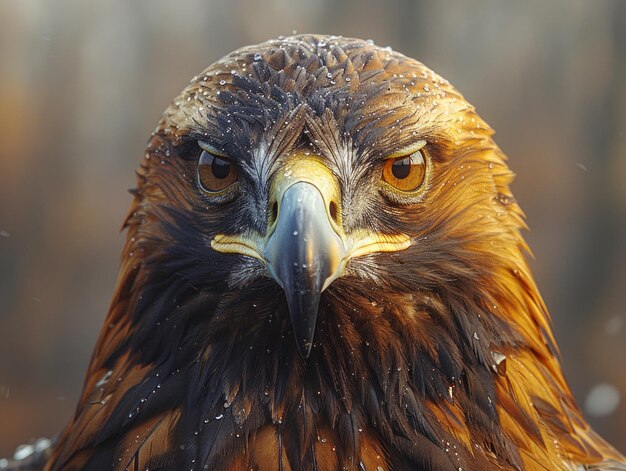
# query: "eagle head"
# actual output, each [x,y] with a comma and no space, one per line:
[324,270]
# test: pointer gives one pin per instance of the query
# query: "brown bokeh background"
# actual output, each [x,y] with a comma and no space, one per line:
[82,85]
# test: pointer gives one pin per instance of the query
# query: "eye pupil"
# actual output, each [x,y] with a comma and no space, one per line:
[220,167]
[401,168]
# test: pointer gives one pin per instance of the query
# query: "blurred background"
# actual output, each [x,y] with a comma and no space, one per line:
[82,85]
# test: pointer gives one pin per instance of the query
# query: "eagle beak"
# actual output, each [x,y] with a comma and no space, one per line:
[304,254]
[305,247]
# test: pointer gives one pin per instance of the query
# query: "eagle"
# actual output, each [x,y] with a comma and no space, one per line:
[324,271]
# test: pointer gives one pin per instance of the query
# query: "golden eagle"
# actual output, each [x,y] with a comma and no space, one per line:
[324,271]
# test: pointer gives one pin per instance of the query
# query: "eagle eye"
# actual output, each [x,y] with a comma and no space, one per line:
[405,173]
[215,173]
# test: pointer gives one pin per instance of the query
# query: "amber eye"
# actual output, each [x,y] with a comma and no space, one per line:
[405,173]
[215,173]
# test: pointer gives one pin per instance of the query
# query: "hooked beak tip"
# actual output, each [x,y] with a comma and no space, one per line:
[305,349]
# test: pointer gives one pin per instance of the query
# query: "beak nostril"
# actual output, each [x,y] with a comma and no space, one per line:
[274,211]
[332,207]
